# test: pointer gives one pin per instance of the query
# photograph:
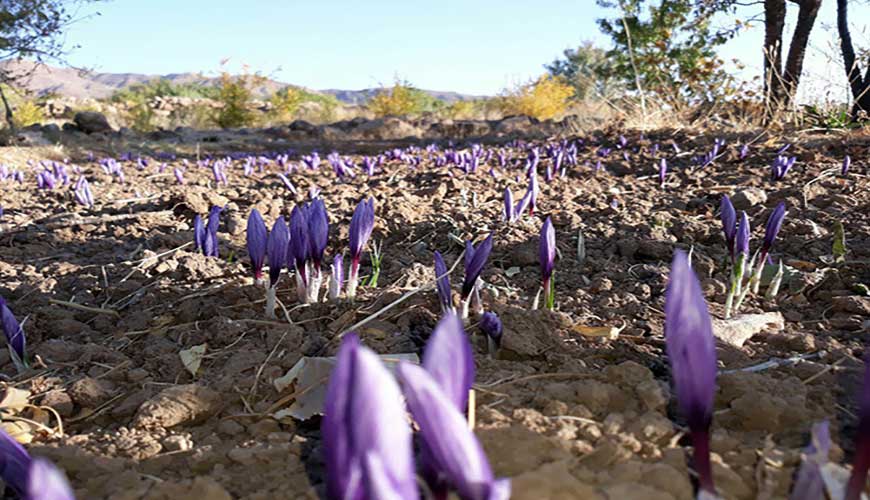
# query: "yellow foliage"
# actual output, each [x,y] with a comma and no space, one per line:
[400,100]
[543,99]
[235,94]
[28,113]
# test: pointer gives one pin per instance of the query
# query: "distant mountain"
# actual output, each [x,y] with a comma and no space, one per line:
[84,84]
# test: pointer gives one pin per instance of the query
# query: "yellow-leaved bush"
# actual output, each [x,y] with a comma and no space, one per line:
[545,98]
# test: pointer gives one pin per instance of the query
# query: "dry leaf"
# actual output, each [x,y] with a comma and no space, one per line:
[192,358]
[309,378]
[19,431]
[608,332]
[14,399]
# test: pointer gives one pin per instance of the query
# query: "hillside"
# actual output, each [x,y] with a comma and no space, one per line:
[88,84]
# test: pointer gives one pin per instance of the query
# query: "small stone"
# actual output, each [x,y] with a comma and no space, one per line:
[177,443]
[60,401]
[178,405]
[264,427]
[748,198]
[91,393]
[230,427]
[853,304]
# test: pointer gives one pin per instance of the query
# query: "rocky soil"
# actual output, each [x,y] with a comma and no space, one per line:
[112,295]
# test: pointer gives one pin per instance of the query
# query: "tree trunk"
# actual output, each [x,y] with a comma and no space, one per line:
[859,85]
[9,116]
[809,10]
[774,23]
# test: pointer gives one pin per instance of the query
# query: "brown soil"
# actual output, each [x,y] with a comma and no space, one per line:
[564,415]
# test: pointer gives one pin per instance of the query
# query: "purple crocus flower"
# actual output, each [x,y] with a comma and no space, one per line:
[289,185]
[365,430]
[15,338]
[47,482]
[449,359]
[475,260]
[809,483]
[318,232]
[547,247]
[692,355]
[198,233]
[491,325]
[861,462]
[771,229]
[443,283]
[210,245]
[729,223]
[297,255]
[361,225]
[508,205]
[15,464]
[179,175]
[336,277]
[276,249]
[847,162]
[744,151]
[741,242]
[663,170]
[256,237]
[454,454]
[547,251]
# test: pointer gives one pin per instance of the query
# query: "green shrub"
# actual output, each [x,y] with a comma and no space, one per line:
[286,104]
[402,99]
[235,95]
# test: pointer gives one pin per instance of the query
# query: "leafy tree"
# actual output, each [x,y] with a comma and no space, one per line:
[667,47]
[584,68]
[402,99]
[235,94]
[545,98]
[287,103]
[32,29]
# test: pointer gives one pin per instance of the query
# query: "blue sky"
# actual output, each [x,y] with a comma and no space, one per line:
[471,46]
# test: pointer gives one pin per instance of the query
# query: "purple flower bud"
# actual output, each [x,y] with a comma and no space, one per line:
[847,162]
[771,229]
[364,418]
[809,483]
[179,175]
[318,231]
[443,283]
[256,237]
[741,243]
[361,225]
[47,482]
[297,255]
[663,170]
[508,205]
[450,361]
[14,465]
[491,325]
[13,331]
[744,151]
[692,355]
[474,265]
[289,185]
[279,239]
[336,277]
[453,452]
[198,233]
[547,250]
[210,245]
[729,223]
[861,462]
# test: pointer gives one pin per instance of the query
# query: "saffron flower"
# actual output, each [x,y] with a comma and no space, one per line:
[548,259]
[336,277]
[449,359]
[847,162]
[361,225]
[861,462]
[276,251]
[47,482]
[318,238]
[298,253]
[475,261]
[256,237]
[454,455]
[365,431]
[729,223]
[198,233]
[771,230]
[809,483]
[691,353]
[15,464]
[210,244]
[491,325]
[508,205]
[741,266]
[443,284]
[663,170]
[14,333]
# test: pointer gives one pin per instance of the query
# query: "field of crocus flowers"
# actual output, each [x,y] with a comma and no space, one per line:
[655,315]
